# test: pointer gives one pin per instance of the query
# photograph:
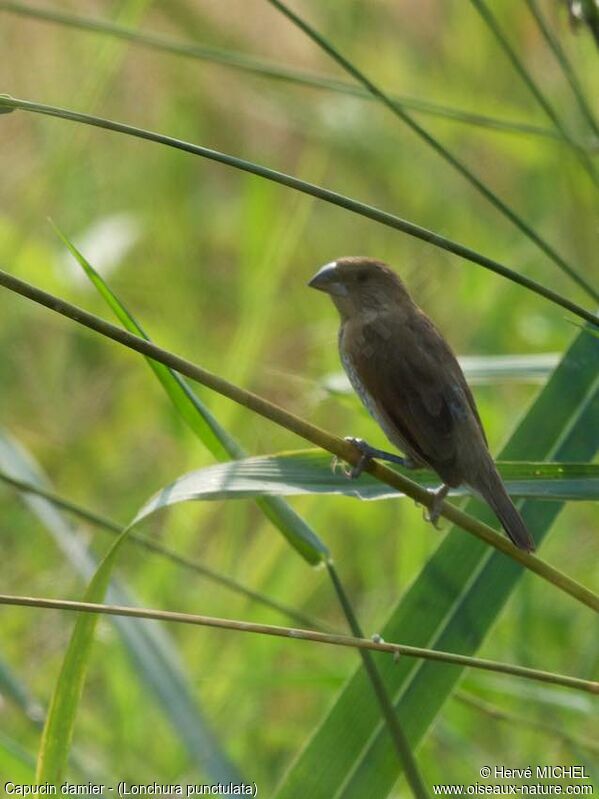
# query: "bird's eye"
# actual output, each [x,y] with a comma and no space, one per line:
[362,277]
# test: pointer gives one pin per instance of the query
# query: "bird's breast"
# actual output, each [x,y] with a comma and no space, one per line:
[355,379]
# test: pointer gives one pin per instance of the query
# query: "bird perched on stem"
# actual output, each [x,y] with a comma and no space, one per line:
[408,378]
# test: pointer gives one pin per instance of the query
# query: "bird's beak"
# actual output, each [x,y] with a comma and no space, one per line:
[327,280]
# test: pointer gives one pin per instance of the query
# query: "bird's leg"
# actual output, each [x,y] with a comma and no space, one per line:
[439,495]
[367,453]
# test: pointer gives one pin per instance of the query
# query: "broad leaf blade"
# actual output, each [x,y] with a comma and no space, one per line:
[451,605]
[309,472]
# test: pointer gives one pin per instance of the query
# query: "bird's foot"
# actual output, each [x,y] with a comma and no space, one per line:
[353,472]
[367,453]
[432,515]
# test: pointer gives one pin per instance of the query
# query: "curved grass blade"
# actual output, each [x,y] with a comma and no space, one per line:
[150,648]
[149,544]
[216,439]
[370,212]
[309,472]
[291,524]
[451,605]
[443,151]
[249,64]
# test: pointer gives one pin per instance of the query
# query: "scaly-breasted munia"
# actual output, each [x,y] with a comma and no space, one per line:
[410,381]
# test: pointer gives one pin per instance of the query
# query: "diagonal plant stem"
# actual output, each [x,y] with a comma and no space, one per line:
[567,68]
[440,149]
[398,650]
[321,438]
[400,740]
[7,104]
[104,523]
[266,69]
[491,22]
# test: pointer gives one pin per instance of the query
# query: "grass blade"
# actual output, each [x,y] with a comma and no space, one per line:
[452,604]
[333,639]
[199,569]
[443,151]
[567,68]
[310,432]
[491,22]
[390,220]
[150,649]
[266,69]
[202,422]
[309,472]
[292,525]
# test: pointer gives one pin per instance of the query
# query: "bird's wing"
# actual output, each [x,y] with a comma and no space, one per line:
[418,388]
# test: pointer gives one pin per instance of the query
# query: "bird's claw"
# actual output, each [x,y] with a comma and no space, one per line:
[353,472]
[432,515]
[363,448]
[368,453]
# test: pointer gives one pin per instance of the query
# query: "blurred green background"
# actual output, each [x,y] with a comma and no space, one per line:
[214,263]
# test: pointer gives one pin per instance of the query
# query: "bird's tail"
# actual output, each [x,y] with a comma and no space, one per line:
[493,491]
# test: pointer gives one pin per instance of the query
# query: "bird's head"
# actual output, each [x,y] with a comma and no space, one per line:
[359,284]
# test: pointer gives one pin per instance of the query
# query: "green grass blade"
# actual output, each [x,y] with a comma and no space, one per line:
[447,155]
[150,545]
[150,649]
[266,69]
[451,605]
[291,524]
[195,413]
[309,472]
[297,532]
[58,730]
[566,66]
[370,212]
[491,22]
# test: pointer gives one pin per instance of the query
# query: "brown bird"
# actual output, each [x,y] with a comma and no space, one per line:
[410,381]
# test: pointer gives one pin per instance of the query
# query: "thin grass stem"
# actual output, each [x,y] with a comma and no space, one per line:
[110,526]
[306,430]
[390,220]
[266,69]
[439,148]
[491,22]
[566,67]
[398,650]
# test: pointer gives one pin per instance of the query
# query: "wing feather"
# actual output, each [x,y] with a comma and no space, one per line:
[417,387]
